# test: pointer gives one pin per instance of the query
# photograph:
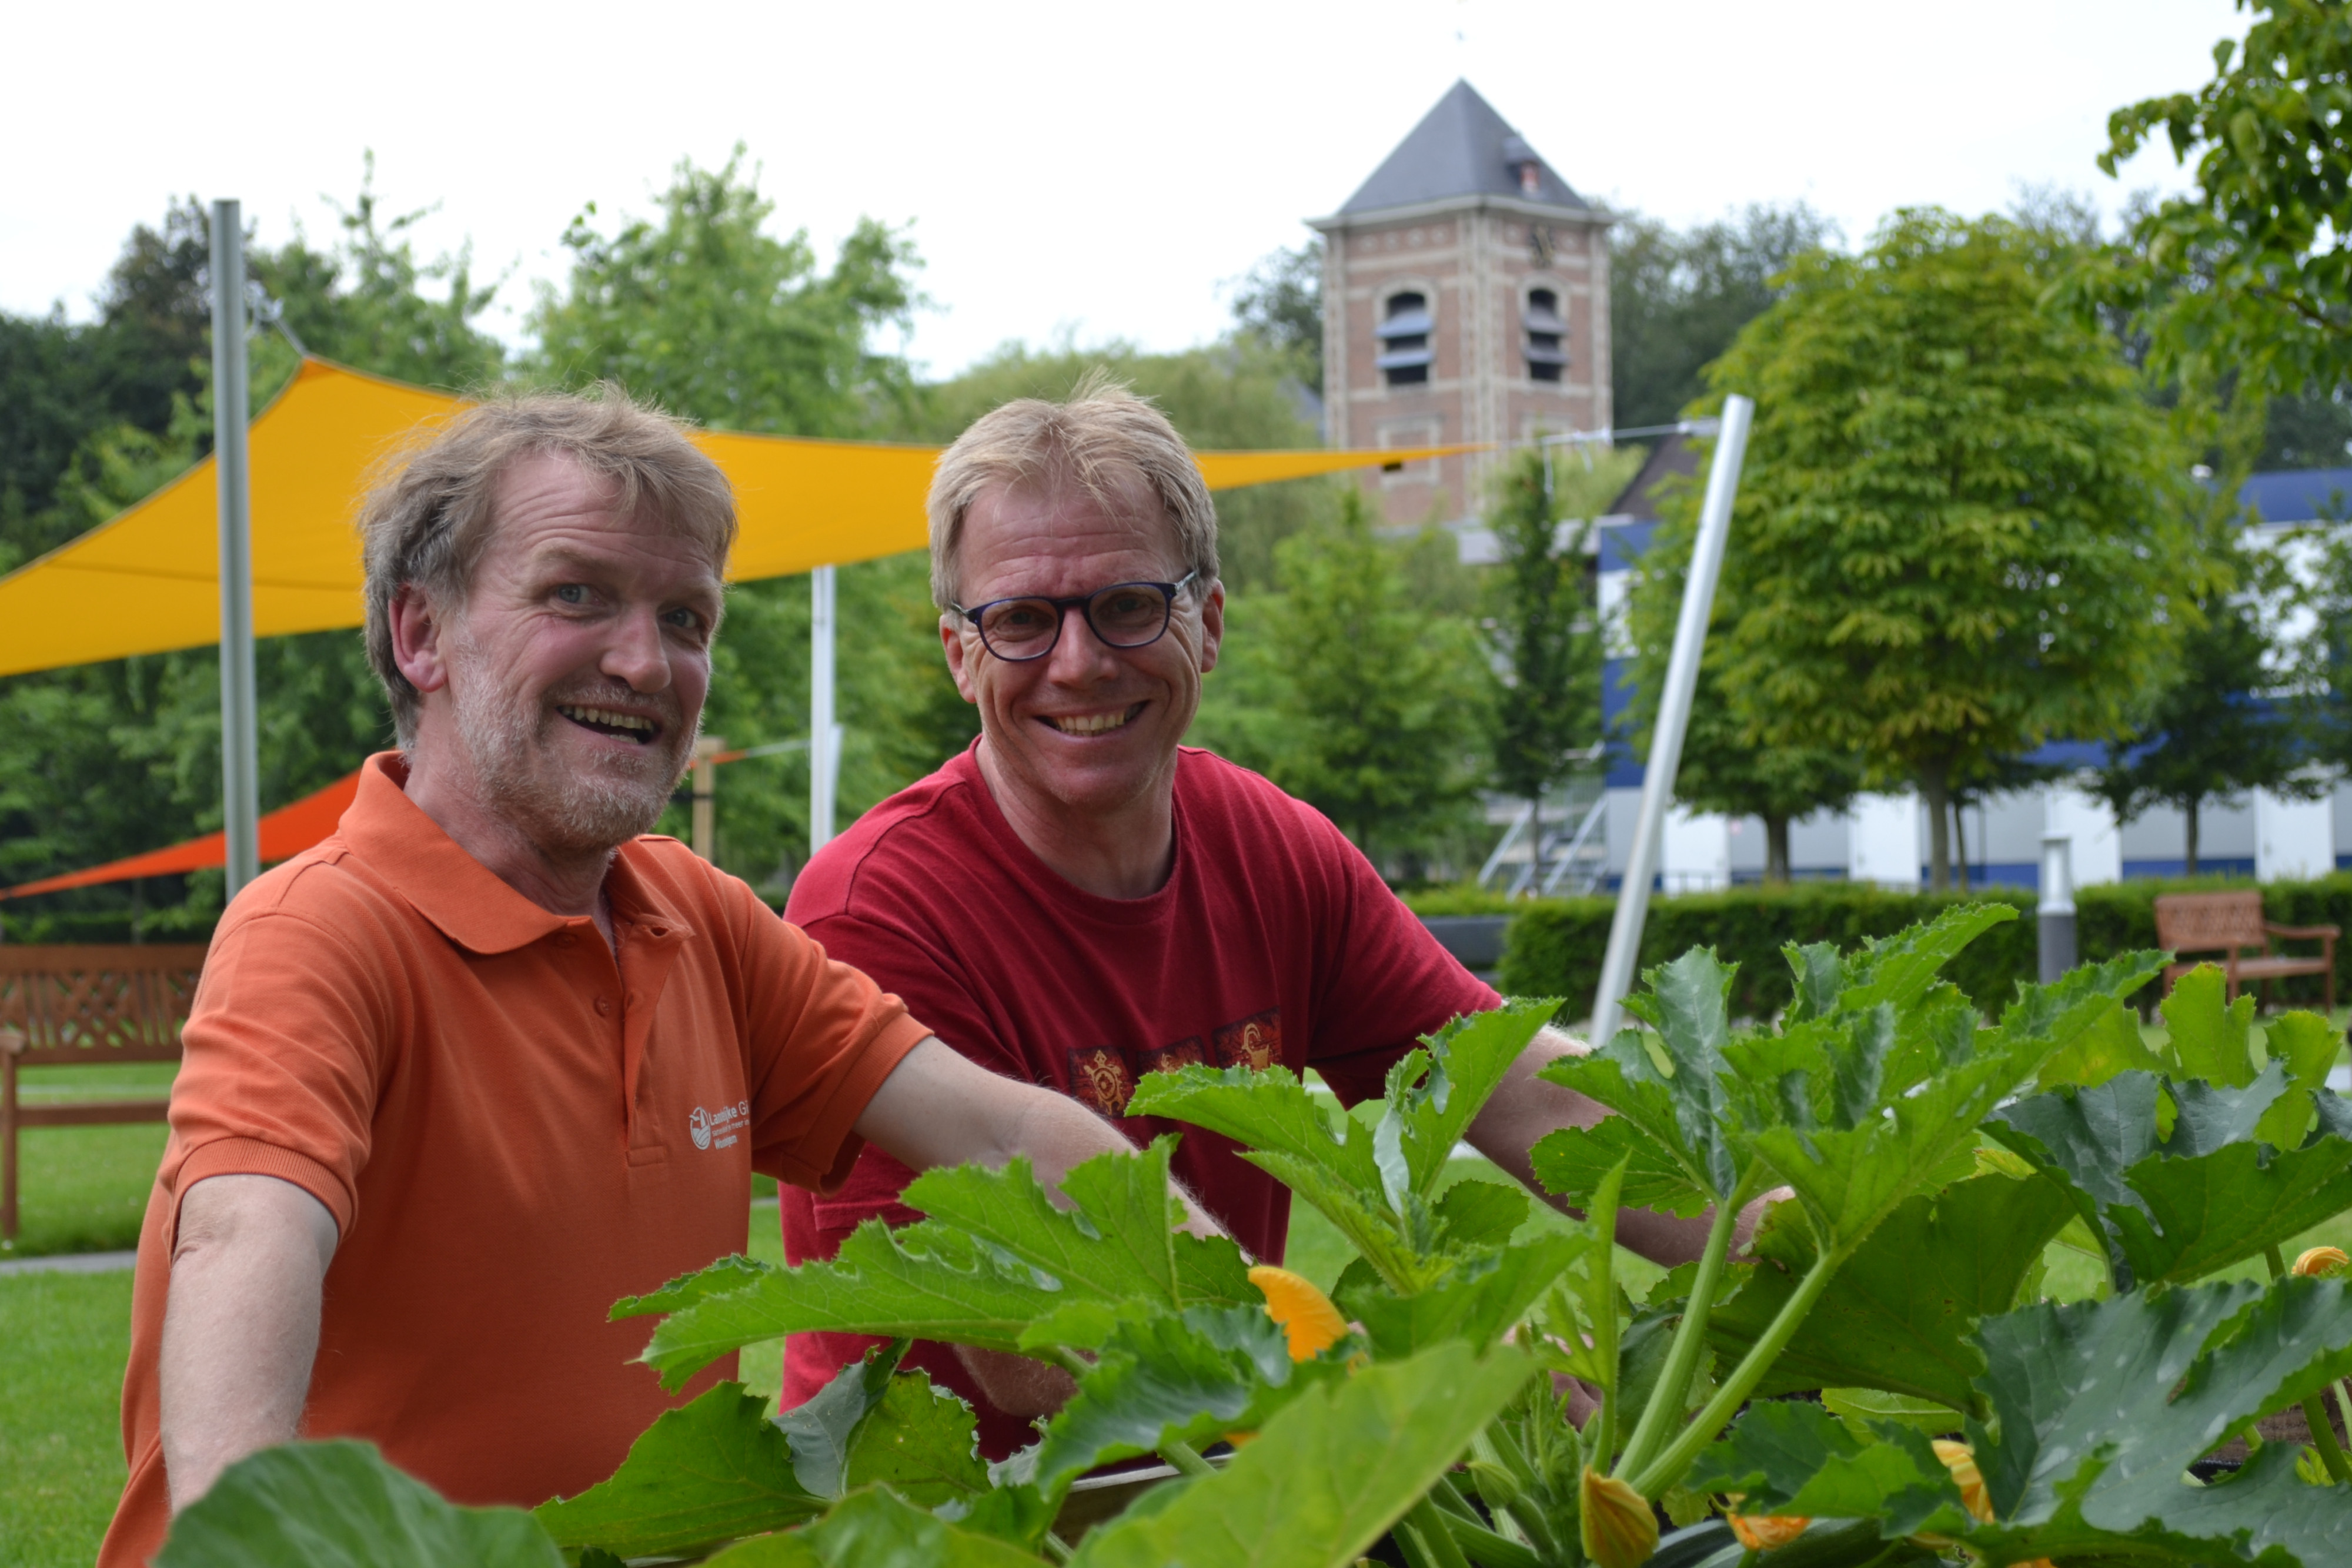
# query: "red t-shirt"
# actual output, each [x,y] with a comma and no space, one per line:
[1273,941]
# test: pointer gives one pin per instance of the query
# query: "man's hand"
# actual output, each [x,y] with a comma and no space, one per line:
[241,1329]
[937,1108]
[1525,1108]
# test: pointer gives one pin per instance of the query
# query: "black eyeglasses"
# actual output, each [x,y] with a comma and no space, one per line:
[1124,615]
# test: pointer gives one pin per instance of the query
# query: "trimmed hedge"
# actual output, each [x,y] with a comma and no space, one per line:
[1554,946]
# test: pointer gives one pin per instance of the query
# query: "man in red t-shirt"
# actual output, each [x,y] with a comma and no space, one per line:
[1079,900]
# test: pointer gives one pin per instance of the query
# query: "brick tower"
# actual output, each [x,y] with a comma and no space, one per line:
[1465,298]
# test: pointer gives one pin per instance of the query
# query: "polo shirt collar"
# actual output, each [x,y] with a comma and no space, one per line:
[460,895]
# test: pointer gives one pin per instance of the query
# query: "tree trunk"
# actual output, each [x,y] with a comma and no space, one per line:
[1535,845]
[1960,841]
[2192,814]
[1776,849]
[1935,787]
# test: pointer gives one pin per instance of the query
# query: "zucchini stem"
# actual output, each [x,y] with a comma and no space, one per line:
[1668,1468]
[1672,1395]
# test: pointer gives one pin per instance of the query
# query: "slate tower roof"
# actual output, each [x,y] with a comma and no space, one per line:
[1462,148]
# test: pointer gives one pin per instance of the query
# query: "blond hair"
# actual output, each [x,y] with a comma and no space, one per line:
[431,515]
[1102,439]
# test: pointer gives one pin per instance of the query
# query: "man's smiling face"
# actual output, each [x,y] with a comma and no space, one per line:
[1088,729]
[572,678]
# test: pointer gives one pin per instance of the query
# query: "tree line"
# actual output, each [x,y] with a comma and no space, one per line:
[1989,503]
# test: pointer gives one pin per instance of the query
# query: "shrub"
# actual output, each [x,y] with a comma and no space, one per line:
[1554,946]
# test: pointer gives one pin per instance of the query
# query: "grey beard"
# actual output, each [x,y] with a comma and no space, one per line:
[578,813]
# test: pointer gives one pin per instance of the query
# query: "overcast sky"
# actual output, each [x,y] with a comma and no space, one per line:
[1097,169]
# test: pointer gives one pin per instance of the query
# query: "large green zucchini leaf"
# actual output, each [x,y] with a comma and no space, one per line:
[875,1529]
[2098,1408]
[1377,1186]
[1329,1475]
[341,1505]
[1900,1311]
[1008,1257]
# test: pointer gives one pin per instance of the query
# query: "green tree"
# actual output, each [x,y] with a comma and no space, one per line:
[363,300]
[704,312]
[1545,631]
[1379,698]
[2223,724]
[2247,277]
[1280,302]
[1678,298]
[1959,530]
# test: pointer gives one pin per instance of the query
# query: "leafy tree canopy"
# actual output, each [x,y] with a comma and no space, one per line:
[1958,529]
[1678,298]
[702,310]
[2249,276]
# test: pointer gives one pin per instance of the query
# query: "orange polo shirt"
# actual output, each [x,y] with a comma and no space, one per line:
[511,1129]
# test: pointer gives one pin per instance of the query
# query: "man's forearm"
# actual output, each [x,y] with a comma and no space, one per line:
[241,1329]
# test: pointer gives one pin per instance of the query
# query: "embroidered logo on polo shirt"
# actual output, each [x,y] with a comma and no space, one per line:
[719,1128]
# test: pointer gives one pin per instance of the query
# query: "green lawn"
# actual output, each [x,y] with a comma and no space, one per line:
[63,1342]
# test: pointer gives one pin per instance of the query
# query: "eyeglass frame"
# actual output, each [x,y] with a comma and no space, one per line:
[1083,604]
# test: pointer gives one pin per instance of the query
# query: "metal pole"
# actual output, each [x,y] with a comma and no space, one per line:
[2053,917]
[240,742]
[825,740]
[1674,717]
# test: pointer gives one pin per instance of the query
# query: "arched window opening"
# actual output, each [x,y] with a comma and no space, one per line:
[1547,335]
[1404,331]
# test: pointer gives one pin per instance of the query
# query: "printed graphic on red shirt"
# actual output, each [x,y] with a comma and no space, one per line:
[1103,1077]
[1256,1042]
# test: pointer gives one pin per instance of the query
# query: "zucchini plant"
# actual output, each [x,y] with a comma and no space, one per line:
[1931,1159]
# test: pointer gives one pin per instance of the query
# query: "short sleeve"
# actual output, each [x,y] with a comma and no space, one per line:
[824,1037]
[280,1059]
[931,987]
[1384,980]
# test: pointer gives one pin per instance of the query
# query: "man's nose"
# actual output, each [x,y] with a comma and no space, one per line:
[1078,655]
[636,653]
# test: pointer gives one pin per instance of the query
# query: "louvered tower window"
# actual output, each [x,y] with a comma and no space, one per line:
[1547,335]
[1404,340]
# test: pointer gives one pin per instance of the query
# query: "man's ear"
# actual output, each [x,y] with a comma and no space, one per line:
[951,639]
[417,633]
[1213,626]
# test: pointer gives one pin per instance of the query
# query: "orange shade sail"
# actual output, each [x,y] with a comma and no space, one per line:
[148,581]
[285,832]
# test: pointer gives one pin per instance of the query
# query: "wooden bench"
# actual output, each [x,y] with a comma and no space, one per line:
[79,1006]
[2226,922]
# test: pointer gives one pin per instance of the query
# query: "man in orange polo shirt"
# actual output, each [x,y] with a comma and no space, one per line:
[489,1058]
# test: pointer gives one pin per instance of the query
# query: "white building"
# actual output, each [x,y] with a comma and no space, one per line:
[1885,839]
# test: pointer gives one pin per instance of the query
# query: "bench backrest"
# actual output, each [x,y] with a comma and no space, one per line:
[76,1004]
[2198,922]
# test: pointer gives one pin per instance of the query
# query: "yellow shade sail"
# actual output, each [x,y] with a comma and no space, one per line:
[149,581]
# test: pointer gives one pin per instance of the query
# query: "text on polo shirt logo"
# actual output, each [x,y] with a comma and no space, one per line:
[724,1125]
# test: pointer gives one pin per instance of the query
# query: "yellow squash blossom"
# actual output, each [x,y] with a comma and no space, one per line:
[1961,1460]
[1618,1528]
[2322,1261]
[1763,1532]
[1306,1315]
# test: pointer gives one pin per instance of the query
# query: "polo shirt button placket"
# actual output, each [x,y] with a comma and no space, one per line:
[604,1006]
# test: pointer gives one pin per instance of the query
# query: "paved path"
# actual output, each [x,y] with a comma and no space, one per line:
[70,1263]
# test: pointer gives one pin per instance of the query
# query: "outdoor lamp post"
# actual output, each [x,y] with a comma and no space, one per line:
[2055,915]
